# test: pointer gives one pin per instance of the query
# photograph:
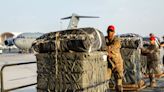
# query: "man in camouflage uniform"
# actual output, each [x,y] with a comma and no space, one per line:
[153,57]
[162,45]
[157,41]
[115,60]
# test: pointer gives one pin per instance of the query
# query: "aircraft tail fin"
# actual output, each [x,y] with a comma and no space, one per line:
[74,19]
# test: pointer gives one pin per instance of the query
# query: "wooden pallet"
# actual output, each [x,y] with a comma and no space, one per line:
[156,75]
[131,87]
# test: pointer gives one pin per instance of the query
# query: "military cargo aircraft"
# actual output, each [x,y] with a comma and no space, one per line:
[22,41]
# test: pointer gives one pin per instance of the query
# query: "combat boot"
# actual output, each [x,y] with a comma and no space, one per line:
[119,88]
[153,84]
[152,80]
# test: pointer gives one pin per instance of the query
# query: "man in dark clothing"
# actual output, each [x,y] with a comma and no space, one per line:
[114,57]
[153,58]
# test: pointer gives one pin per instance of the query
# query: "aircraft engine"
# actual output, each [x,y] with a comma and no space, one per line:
[9,42]
[6,38]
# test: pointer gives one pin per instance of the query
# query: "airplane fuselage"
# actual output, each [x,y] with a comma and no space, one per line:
[23,43]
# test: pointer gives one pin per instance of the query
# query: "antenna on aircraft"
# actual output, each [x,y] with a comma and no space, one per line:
[74,19]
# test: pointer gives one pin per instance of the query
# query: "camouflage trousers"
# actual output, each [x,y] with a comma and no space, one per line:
[152,67]
[118,75]
[117,72]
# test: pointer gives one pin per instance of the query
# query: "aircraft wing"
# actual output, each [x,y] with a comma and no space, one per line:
[80,17]
[88,17]
[66,18]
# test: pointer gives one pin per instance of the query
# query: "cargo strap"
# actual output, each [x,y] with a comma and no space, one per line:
[99,38]
[100,44]
[57,45]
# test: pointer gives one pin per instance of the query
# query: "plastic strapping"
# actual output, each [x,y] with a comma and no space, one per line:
[99,39]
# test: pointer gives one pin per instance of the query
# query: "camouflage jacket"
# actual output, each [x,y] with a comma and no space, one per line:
[152,52]
[113,48]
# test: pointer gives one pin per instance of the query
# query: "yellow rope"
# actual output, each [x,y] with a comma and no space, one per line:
[56,50]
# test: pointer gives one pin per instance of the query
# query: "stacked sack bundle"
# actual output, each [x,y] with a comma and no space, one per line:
[71,60]
[79,40]
[131,55]
[131,41]
[143,64]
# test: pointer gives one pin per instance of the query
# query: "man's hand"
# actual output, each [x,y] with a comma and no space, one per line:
[109,56]
[162,45]
[109,52]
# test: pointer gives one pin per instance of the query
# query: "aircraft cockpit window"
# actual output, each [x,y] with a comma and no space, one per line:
[20,36]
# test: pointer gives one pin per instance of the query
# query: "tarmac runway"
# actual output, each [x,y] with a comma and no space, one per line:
[15,76]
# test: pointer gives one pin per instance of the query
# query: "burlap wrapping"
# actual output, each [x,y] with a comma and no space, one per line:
[131,40]
[143,64]
[79,40]
[70,72]
[132,65]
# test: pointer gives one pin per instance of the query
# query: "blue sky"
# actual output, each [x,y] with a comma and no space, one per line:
[134,16]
